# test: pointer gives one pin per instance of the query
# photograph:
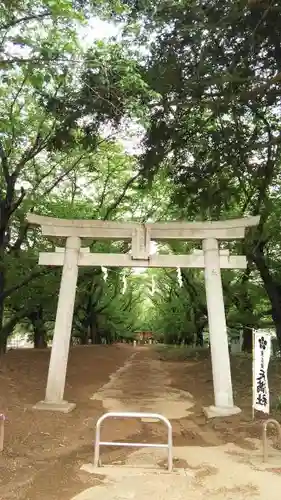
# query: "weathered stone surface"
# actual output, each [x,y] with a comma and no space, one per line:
[63,406]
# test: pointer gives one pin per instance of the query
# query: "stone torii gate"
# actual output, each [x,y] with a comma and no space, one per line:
[210,258]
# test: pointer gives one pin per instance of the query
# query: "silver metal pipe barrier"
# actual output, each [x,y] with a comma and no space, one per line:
[154,416]
[277,426]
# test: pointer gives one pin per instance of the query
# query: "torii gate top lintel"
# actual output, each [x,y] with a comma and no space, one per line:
[115,230]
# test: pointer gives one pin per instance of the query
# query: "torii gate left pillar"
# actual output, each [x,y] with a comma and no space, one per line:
[54,397]
[62,331]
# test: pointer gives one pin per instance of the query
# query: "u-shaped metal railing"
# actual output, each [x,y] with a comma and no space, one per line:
[154,416]
[277,426]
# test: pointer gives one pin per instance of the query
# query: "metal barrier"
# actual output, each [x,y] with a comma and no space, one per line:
[264,435]
[154,416]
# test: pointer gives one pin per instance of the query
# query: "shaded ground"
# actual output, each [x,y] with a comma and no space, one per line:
[44,451]
[41,448]
[189,373]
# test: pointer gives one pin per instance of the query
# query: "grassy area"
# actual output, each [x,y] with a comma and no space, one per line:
[180,353]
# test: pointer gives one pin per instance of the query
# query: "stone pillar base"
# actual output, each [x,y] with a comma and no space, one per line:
[62,406]
[220,411]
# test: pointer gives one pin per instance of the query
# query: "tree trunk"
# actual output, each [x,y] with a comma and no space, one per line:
[40,339]
[247,345]
[92,331]
[7,329]
[278,326]
[4,332]
[84,337]
[94,335]
[3,341]
[272,288]
[244,306]
[8,205]
[199,336]
[39,330]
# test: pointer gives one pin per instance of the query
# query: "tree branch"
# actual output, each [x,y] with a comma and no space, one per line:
[30,17]
[17,203]
[31,277]
[115,204]
[4,163]
[105,185]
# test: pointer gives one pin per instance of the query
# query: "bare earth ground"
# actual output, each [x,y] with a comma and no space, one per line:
[45,451]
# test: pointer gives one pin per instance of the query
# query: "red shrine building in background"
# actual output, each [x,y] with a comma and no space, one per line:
[144,336]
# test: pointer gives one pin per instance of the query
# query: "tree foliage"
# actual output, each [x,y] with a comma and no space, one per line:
[54,119]
[201,81]
[215,125]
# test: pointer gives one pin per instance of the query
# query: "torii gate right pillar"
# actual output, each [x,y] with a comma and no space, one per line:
[210,233]
[217,333]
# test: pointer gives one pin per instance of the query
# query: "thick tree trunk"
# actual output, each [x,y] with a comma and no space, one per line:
[108,338]
[39,338]
[9,202]
[7,329]
[4,332]
[39,330]
[245,308]
[272,288]
[3,342]
[247,345]
[199,336]
[276,316]
[94,334]
[84,337]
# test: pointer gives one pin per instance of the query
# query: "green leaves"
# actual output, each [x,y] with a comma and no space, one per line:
[62,8]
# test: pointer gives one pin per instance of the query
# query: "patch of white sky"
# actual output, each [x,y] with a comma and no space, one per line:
[97,29]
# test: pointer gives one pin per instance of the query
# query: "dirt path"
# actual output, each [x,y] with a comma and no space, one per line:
[217,470]
[44,452]
[144,384]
